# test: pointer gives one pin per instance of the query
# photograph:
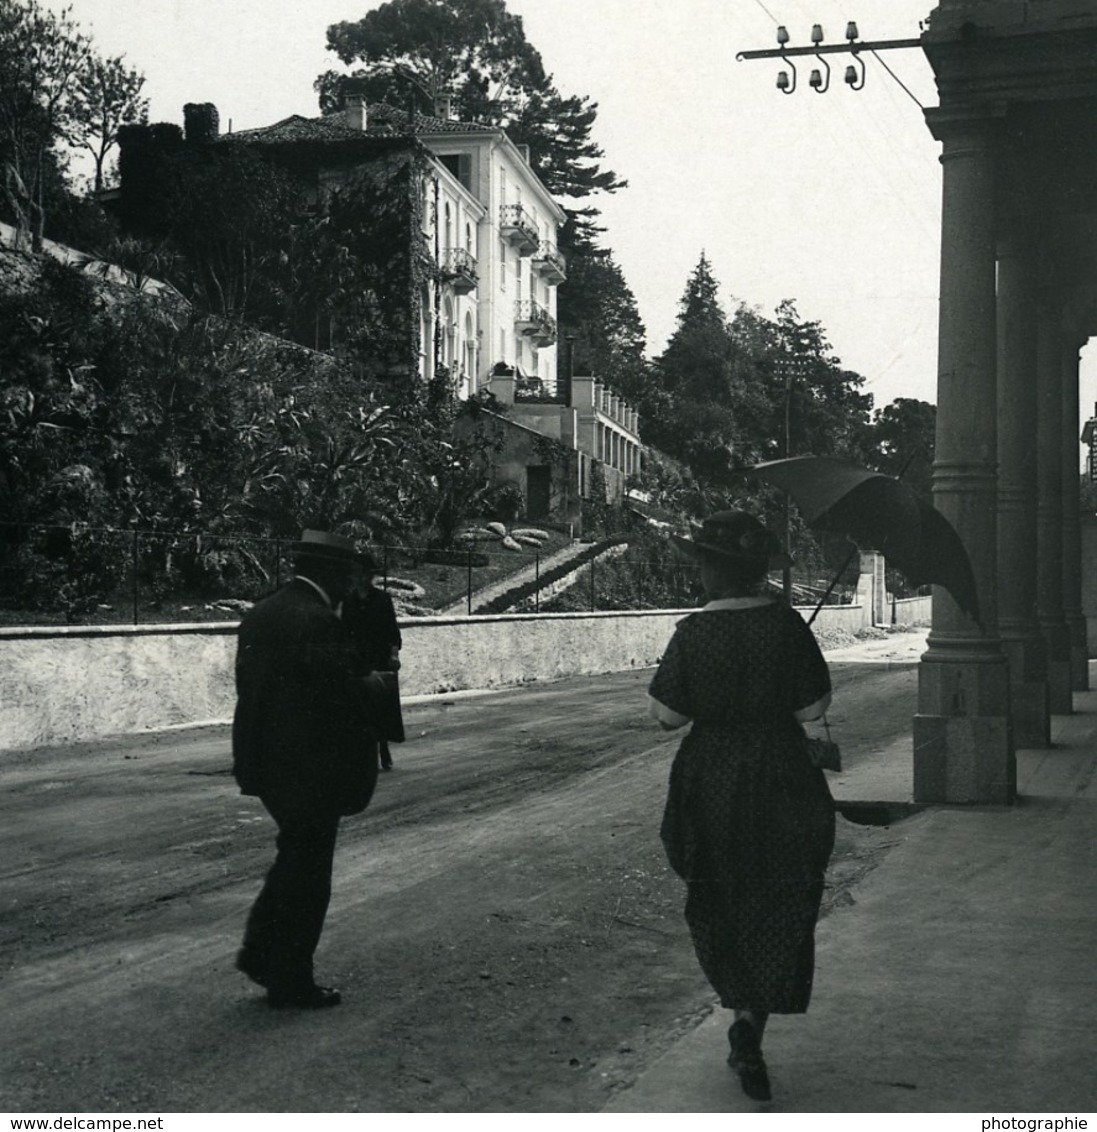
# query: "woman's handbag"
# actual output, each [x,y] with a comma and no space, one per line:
[824,753]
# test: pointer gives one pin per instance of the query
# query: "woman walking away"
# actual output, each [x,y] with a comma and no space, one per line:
[749,821]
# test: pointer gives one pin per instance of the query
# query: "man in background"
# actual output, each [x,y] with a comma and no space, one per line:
[302,742]
[370,617]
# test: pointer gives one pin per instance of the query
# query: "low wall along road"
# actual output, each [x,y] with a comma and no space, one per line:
[63,685]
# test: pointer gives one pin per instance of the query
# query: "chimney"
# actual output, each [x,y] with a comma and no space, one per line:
[443,107]
[354,112]
[201,122]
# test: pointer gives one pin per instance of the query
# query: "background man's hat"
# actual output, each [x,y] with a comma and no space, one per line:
[735,535]
[326,546]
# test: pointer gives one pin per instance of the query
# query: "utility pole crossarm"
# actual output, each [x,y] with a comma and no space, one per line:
[851,48]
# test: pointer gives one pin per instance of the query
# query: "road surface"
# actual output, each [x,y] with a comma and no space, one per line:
[504,927]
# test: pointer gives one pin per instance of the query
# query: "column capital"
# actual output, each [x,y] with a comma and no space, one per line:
[965,123]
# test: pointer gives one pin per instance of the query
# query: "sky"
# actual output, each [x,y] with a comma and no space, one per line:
[832,199]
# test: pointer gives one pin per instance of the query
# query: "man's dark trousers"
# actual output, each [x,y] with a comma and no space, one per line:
[285,922]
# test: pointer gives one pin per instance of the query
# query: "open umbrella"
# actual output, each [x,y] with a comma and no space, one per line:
[880,513]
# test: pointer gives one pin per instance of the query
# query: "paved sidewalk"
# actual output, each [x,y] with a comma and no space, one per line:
[962,979]
[887,776]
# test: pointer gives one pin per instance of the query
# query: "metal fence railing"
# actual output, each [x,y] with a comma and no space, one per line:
[79,574]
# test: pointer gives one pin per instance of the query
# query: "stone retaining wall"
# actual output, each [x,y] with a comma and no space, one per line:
[913,610]
[62,685]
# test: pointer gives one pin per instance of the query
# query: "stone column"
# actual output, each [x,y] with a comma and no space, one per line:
[1072,522]
[1017,624]
[1049,508]
[963,743]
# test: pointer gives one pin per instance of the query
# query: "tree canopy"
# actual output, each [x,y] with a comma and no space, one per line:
[726,393]
[108,96]
[56,93]
[597,310]
[41,56]
[476,52]
[902,442]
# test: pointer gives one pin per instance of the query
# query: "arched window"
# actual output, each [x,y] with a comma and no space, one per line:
[449,331]
[426,332]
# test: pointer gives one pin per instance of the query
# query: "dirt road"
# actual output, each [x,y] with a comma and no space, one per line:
[504,927]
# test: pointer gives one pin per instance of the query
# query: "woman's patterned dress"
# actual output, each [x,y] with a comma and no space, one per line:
[749,822]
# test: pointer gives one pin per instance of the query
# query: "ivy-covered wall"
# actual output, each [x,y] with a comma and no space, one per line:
[320,241]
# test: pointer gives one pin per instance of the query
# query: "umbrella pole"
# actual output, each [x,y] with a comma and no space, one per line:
[833,583]
[849,557]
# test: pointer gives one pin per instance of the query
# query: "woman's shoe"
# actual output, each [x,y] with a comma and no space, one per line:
[746,1059]
[308,997]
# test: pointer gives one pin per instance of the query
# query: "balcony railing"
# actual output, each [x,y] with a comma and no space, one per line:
[550,264]
[459,270]
[538,390]
[532,320]
[518,228]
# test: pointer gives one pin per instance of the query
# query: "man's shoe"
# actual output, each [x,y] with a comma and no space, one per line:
[252,964]
[303,998]
[746,1059]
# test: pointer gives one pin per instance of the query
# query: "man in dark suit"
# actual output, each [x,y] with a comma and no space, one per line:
[301,742]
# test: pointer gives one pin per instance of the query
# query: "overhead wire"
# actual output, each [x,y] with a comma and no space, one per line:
[766,10]
[895,176]
[921,210]
[876,54]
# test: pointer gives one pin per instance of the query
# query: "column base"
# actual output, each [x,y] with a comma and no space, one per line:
[963,732]
[964,759]
[1031,714]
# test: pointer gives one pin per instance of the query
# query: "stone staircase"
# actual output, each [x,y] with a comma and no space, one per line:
[484,596]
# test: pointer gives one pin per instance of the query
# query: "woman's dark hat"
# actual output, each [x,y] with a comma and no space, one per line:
[326,547]
[734,535]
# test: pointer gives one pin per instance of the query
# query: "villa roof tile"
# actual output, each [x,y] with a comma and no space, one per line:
[382,121]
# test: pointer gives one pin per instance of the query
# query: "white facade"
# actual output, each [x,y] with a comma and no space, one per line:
[483,177]
[489,225]
[450,310]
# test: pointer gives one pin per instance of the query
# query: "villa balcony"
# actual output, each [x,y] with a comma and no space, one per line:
[550,264]
[459,270]
[518,228]
[532,320]
[532,390]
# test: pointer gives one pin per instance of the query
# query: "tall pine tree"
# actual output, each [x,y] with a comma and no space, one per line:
[698,382]
[477,52]
[597,310]
[729,393]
